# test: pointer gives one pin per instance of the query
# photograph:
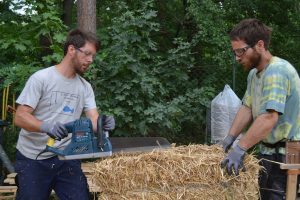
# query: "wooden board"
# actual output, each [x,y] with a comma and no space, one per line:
[8,192]
[293,152]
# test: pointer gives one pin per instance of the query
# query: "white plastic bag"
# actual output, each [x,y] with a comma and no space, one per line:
[224,108]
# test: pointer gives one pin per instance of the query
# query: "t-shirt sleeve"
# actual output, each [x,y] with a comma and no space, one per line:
[31,93]
[247,99]
[89,98]
[275,90]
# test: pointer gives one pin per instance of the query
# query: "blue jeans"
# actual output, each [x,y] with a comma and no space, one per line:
[37,178]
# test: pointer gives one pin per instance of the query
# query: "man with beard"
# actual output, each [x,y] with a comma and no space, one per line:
[271,107]
[52,97]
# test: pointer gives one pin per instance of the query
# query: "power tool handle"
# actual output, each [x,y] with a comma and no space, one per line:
[69,126]
[50,142]
[100,131]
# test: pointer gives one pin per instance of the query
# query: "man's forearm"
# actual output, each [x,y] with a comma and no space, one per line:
[259,130]
[93,115]
[24,119]
[242,119]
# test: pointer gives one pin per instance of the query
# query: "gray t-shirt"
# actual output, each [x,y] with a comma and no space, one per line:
[54,98]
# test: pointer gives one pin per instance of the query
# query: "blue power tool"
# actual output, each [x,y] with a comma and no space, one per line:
[84,144]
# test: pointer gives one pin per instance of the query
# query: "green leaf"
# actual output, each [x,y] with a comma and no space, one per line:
[20,47]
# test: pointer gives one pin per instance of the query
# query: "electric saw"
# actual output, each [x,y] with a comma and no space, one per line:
[85,144]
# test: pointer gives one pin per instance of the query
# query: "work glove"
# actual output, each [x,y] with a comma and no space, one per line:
[234,160]
[227,142]
[55,130]
[108,123]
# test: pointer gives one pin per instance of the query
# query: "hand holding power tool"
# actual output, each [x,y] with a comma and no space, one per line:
[59,131]
[56,130]
[108,123]
[86,144]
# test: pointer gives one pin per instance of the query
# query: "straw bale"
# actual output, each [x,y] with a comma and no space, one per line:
[184,172]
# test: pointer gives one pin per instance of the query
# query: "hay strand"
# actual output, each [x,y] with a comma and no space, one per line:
[184,172]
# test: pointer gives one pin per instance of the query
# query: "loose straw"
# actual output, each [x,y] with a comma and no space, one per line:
[184,172]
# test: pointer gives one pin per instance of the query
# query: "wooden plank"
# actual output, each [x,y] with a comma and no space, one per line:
[87,165]
[289,166]
[11,175]
[293,171]
[8,188]
[291,187]
[9,181]
[292,153]
[8,197]
[8,192]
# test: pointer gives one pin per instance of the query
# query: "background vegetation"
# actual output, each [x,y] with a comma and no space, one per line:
[161,62]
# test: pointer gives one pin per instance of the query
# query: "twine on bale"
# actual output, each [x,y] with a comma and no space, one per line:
[184,172]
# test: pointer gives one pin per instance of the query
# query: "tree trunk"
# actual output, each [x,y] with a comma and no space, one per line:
[67,12]
[86,15]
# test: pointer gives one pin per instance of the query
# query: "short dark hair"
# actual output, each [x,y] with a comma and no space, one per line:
[251,31]
[78,38]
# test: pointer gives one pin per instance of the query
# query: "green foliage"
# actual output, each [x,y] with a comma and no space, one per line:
[215,58]
[10,137]
[161,62]
[149,92]
[22,53]
[17,75]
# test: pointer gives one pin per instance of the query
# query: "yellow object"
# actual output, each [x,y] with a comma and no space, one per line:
[4,102]
[14,108]
[5,106]
[50,142]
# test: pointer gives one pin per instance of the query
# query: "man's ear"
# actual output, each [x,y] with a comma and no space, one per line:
[260,45]
[71,50]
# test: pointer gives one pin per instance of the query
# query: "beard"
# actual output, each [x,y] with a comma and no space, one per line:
[253,61]
[78,70]
[78,66]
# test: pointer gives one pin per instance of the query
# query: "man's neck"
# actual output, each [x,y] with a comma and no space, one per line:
[65,68]
[265,61]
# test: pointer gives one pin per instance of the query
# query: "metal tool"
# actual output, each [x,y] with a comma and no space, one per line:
[85,145]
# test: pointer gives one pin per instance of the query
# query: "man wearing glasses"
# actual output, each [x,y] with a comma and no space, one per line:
[52,97]
[271,106]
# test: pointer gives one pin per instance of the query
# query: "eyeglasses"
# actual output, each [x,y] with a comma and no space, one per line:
[86,53]
[241,51]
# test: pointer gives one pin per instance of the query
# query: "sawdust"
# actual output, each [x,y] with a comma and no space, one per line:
[184,172]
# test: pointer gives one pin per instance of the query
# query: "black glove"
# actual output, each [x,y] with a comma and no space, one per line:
[56,130]
[234,160]
[227,142]
[108,123]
